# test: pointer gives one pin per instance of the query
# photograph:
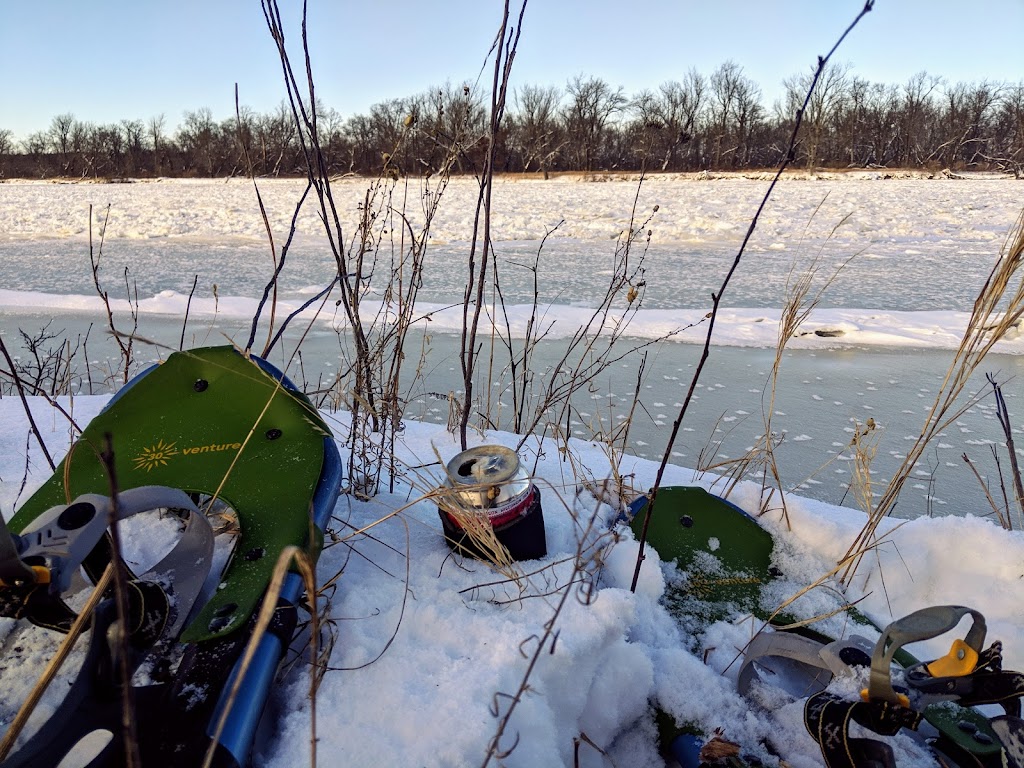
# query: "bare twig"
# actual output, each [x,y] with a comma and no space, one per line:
[24,403]
[120,579]
[716,298]
[1003,414]
[505,43]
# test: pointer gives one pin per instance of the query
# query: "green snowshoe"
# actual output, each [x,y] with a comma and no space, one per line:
[725,559]
[208,431]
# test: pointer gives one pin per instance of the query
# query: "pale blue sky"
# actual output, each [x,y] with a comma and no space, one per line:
[108,60]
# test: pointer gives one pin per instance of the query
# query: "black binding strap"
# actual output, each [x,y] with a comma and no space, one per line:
[828,717]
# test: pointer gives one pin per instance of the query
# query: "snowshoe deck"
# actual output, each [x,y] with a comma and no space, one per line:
[725,554]
[210,422]
[218,426]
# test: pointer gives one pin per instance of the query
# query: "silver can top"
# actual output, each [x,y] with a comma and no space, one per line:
[488,476]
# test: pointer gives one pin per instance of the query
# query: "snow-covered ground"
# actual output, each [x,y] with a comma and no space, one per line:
[922,249]
[453,636]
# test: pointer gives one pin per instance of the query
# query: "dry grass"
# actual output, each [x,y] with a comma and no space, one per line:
[804,292]
[997,313]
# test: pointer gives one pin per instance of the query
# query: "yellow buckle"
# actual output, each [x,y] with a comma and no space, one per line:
[40,572]
[902,699]
[961,660]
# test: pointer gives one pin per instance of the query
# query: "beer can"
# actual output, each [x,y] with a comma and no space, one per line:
[491,481]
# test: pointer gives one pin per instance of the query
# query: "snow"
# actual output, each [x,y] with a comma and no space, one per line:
[921,250]
[427,645]
[429,648]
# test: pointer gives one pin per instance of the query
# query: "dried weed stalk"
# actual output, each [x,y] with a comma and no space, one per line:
[124,340]
[1002,512]
[545,397]
[379,266]
[716,298]
[802,296]
[998,312]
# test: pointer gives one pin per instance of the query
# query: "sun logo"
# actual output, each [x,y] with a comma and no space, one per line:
[155,456]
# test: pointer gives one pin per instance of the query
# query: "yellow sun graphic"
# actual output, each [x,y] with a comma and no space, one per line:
[155,456]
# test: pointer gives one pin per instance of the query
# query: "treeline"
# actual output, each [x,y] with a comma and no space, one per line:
[702,122]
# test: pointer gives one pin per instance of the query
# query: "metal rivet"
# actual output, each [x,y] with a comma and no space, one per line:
[201,385]
[686,521]
[967,727]
[273,434]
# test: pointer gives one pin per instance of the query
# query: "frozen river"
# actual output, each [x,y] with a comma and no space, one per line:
[918,251]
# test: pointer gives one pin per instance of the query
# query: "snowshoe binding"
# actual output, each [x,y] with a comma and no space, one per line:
[726,559]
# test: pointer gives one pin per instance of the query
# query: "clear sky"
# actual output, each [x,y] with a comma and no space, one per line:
[108,60]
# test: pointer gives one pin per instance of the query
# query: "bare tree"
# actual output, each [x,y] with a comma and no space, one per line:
[592,103]
[916,117]
[361,149]
[6,149]
[196,139]
[134,132]
[277,140]
[849,120]
[245,123]
[36,143]
[963,124]
[881,110]
[156,138]
[747,115]
[826,103]
[538,135]
[88,152]
[669,118]
[333,141]
[109,147]
[448,122]
[387,124]
[1009,127]
[682,108]
[60,140]
[723,92]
